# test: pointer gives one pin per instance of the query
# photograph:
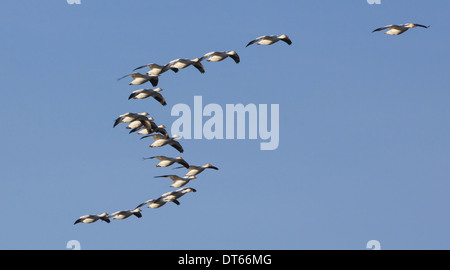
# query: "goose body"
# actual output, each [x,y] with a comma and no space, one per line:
[92,218]
[398,29]
[137,124]
[219,56]
[156,70]
[145,93]
[131,117]
[161,140]
[194,170]
[178,181]
[156,203]
[184,63]
[139,78]
[173,196]
[269,40]
[167,161]
[126,213]
[145,123]
[158,129]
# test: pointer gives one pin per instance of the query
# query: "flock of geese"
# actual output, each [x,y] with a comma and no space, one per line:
[144,125]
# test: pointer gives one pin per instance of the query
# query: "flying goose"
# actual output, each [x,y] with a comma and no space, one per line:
[161,140]
[184,63]
[157,203]
[126,213]
[194,170]
[93,218]
[167,161]
[130,117]
[398,29]
[138,121]
[269,40]
[158,129]
[139,78]
[137,124]
[178,181]
[148,127]
[156,70]
[172,196]
[145,93]
[219,56]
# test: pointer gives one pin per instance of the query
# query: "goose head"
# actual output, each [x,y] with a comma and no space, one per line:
[189,190]
[210,166]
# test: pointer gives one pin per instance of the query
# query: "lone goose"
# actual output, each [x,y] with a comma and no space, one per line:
[157,203]
[219,56]
[269,40]
[145,93]
[93,218]
[178,181]
[161,140]
[172,196]
[194,170]
[167,161]
[184,63]
[398,29]
[126,213]
[156,70]
[130,117]
[139,78]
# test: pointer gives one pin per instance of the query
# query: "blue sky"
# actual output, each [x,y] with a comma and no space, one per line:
[364,125]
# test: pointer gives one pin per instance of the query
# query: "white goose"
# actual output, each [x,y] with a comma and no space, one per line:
[145,123]
[139,78]
[131,117]
[126,213]
[145,93]
[398,29]
[158,129]
[184,63]
[219,56]
[93,218]
[137,124]
[269,40]
[156,70]
[147,126]
[156,203]
[178,181]
[161,140]
[173,196]
[167,161]
[194,170]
